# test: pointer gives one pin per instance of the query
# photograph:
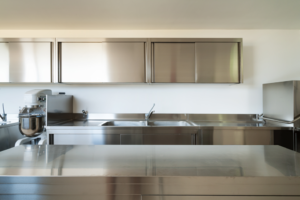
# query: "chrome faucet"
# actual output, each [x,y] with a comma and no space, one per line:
[147,116]
[4,115]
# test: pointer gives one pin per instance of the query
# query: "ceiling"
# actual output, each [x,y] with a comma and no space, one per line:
[149,14]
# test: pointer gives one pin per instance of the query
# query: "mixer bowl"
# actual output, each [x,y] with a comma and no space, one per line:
[31,125]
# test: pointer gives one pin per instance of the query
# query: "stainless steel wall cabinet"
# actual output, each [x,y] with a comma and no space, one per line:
[103,62]
[197,60]
[282,101]
[25,61]
[122,60]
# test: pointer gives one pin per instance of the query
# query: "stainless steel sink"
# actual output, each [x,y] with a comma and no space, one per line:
[150,123]
[169,123]
[125,123]
[2,123]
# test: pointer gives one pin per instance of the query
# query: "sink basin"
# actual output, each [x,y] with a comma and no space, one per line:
[143,123]
[169,123]
[125,123]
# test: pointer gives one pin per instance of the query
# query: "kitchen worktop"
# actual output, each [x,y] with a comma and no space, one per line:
[99,124]
[144,161]
[136,171]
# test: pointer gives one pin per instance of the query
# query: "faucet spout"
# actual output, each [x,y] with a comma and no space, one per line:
[147,116]
[4,115]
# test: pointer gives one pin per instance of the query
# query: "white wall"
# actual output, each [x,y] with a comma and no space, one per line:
[269,56]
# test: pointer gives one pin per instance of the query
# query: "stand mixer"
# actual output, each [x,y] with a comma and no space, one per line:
[32,115]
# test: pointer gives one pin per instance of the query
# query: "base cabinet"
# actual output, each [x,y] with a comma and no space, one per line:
[168,139]
[125,136]
[234,137]
[85,139]
[124,139]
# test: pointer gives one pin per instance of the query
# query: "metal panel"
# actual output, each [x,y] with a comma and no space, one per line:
[228,137]
[4,62]
[217,62]
[131,139]
[125,61]
[174,63]
[59,108]
[222,118]
[4,141]
[168,139]
[30,62]
[235,137]
[297,102]
[259,137]
[220,197]
[70,197]
[86,139]
[14,135]
[278,100]
[8,136]
[59,103]
[65,171]
[103,62]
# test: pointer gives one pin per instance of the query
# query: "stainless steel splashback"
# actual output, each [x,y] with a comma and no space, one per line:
[282,101]
[59,108]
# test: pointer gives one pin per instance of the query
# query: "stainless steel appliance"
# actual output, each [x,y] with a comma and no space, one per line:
[32,116]
[281,102]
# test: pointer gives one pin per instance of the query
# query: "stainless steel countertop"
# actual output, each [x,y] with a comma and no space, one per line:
[150,161]
[96,124]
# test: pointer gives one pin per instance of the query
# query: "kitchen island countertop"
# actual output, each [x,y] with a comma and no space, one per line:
[134,171]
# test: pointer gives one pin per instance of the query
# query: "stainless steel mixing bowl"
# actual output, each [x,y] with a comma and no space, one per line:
[31,125]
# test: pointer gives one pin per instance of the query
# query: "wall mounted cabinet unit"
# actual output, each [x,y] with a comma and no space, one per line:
[196,60]
[102,62]
[26,61]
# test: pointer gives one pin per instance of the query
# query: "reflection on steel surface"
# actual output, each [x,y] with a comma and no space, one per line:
[217,62]
[174,62]
[129,172]
[136,161]
[4,62]
[30,62]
